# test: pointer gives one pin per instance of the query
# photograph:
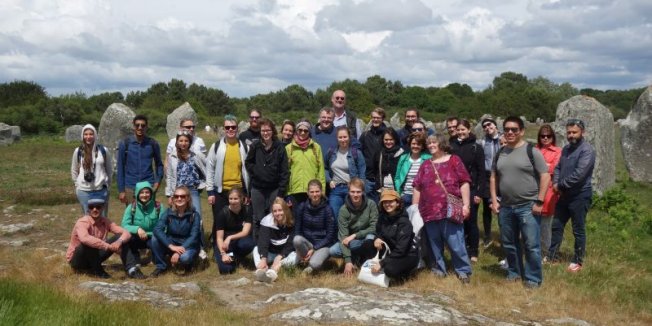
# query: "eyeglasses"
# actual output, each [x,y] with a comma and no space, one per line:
[452,127]
[230,127]
[340,98]
[175,196]
[575,122]
[303,131]
[486,125]
[512,130]
[417,129]
[265,131]
[253,117]
[545,136]
[188,127]
[140,125]
[98,207]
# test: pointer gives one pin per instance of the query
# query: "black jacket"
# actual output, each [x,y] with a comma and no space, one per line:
[472,155]
[316,223]
[384,163]
[268,169]
[371,142]
[397,232]
[275,239]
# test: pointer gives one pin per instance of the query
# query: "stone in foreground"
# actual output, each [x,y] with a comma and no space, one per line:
[129,291]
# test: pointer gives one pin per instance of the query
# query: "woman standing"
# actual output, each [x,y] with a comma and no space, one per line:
[315,228]
[342,164]
[547,144]
[177,234]
[186,168]
[386,160]
[472,155]
[267,164]
[91,170]
[443,173]
[275,243]
[287,132]
[408,165]
[305,162]
[394,229]
[233,233]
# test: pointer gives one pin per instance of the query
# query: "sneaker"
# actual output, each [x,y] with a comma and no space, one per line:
[307,271]
[202,254]
[474,259]
[271,275]
[465,279]
[574,268]
[531,285]
[101,273]
[503,264]
[137,274]
[157,272]
[261,276]
[487,243]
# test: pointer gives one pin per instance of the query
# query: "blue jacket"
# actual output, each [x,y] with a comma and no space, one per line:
[574,171]
[180,231]
[316,224]
[356,161]
[136,165]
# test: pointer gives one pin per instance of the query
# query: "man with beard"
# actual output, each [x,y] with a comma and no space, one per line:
[371,143]
[344,116]
[411,117]
[572,181]
[253,133]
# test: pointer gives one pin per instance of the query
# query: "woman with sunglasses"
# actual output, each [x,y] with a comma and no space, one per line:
[547,144]
[305,162]
[177,234]
[472,155]
[275,247]
[342,163]
[91,170]
[267,164]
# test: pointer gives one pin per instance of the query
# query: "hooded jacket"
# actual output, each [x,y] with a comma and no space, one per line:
[396,231]
[304,165]
[268,168]
[102,166]
[472,155]
[274,238]
[178,230]
[361,221]
[144,215]
[316,223]
[215,166]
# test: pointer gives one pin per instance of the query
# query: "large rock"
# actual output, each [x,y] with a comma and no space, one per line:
[185,111]
[130,291]
[635,138]
[115,125]
[73,133]
[599,132]
[9,134]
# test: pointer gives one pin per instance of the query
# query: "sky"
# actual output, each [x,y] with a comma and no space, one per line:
[249,47]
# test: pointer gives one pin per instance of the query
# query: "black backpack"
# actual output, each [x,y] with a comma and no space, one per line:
[529,149]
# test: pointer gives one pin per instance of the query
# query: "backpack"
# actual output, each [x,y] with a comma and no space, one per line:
[98,148]
[530,155]
[157,206]
[154,144]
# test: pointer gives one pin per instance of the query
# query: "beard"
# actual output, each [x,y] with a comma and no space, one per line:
[573,141]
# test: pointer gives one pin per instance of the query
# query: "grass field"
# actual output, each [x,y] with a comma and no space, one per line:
[38,288]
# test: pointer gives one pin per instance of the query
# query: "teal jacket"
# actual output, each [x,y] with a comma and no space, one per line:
[402,169]
[144,215]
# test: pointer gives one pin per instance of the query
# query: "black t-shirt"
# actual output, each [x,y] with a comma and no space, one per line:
[232,223]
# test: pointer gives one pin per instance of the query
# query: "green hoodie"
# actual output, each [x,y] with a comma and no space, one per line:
[145,216]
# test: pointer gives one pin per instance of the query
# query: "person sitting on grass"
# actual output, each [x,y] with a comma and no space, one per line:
[177,234]
[233,240]
[315,228]
[88,246]
[275,242]
[139,219]
[357,224]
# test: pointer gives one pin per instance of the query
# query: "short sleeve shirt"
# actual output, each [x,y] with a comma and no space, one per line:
[515,175]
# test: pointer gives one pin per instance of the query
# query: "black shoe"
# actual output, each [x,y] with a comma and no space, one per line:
[465,279]
[101,273]
[157,272]
[137,274]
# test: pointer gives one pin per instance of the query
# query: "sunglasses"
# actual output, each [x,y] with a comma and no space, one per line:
[252,117]
[545,136]
[340,98]
[98,207]
[189,127]
[486,125]
[302,131]
[175,196]
[140,125]
[230,127]
[417,129]
[575,122]
[512,130]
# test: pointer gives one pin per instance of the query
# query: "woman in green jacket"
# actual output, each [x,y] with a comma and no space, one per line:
[305,162]
[408,165]
[139,220]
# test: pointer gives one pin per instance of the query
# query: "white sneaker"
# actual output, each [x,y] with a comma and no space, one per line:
[271,275]
[202,254]
[503,264]
[307,271]
[261,276]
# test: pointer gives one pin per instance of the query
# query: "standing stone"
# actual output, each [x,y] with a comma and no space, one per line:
[395,122]
[599,132]
[185,111]
[115,125]
[73,133]
[9,134]
[635,138]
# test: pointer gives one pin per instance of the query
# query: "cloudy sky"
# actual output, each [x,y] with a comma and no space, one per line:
[247,47]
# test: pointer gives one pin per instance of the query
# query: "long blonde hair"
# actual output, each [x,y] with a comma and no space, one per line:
[288,219]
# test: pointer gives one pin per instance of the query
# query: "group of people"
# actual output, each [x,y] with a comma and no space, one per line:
[334,190]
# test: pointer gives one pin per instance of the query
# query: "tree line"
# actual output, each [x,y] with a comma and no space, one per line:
[27,104]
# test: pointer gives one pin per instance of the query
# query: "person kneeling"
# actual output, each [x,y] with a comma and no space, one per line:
[88,246]
[177,234]
[275,242]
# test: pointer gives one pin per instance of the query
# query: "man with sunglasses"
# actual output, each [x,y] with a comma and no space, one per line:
[490,144]
[572,181]
[514,175]
[252,134]
[197,145]
[344,116]
[135,156]
[89,246]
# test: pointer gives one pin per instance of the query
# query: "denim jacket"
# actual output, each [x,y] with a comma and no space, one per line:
[355,158]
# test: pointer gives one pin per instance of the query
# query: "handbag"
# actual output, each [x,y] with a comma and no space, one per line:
[454,204]
[379,279]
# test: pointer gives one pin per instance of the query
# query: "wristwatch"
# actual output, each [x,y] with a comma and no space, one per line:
[538,202]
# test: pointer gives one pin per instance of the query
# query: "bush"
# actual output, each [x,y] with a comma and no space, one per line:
[624,213]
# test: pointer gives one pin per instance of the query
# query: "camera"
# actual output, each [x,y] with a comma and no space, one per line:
[89,176]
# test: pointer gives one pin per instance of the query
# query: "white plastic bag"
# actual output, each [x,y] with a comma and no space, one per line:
[379,279]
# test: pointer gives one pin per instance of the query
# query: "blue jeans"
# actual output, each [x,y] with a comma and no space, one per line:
[160,253]
[575,209]
[446,232]
[518,221]
[372,192]
[407,200]
[336,198]
[239,248]
[355,245]
[85,196]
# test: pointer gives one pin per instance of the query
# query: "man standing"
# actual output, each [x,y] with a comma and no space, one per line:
[323,133]
[520,174]
[371,143]
[490,144]
[253,133]
[134,161]
[572,180]
[411,117]
[451,128]
[343,116]
[197,146]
